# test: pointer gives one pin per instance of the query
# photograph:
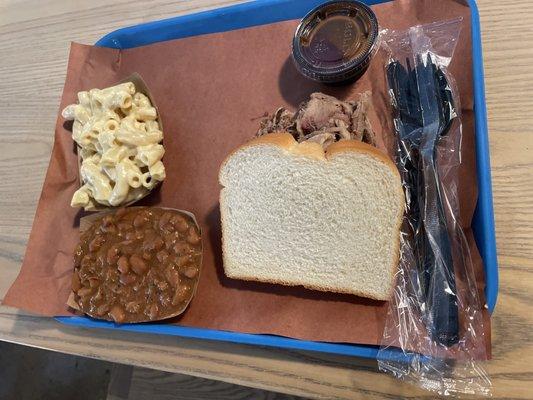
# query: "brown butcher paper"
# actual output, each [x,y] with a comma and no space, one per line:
[211,91]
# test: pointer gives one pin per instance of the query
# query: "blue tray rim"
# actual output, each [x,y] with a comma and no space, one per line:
[363,351]
[483,215]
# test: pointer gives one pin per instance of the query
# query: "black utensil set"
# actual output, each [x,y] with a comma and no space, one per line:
[424,110]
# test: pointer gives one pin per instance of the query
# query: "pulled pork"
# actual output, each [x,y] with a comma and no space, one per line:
[323,119]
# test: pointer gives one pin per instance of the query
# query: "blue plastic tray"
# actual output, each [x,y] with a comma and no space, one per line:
[269,11]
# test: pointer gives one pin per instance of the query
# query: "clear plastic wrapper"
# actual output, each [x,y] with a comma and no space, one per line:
[434,334]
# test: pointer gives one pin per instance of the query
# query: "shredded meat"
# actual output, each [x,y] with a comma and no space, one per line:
[323,119]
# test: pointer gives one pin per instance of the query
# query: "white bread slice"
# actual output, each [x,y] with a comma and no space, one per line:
[294,215]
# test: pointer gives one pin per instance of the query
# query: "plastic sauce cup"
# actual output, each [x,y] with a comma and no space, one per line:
[335,41]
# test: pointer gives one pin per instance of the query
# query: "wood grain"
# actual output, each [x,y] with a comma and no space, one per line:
[34,47]
[134,383]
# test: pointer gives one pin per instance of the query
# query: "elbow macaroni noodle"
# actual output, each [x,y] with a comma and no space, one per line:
[118,135]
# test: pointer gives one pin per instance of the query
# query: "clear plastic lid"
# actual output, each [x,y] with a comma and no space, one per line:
[336,41]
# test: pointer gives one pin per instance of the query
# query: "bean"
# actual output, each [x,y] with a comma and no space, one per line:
[102,309]
[190,272]
[173,277]
[193,237]
[182,248]
[139,220]
[93,282]
[120,213]
[183,260]
[138,265]
[117,313]
[180,223]
[158,243]
[148,244]
[123,265]
[112,254]
[76,284]
[163,221]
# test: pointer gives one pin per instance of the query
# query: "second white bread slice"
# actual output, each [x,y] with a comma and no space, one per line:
[294,215]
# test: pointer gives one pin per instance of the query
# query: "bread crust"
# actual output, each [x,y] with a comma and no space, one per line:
[321,288]
[315,150]
[345,146]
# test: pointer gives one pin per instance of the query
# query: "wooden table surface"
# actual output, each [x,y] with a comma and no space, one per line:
[34,45]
